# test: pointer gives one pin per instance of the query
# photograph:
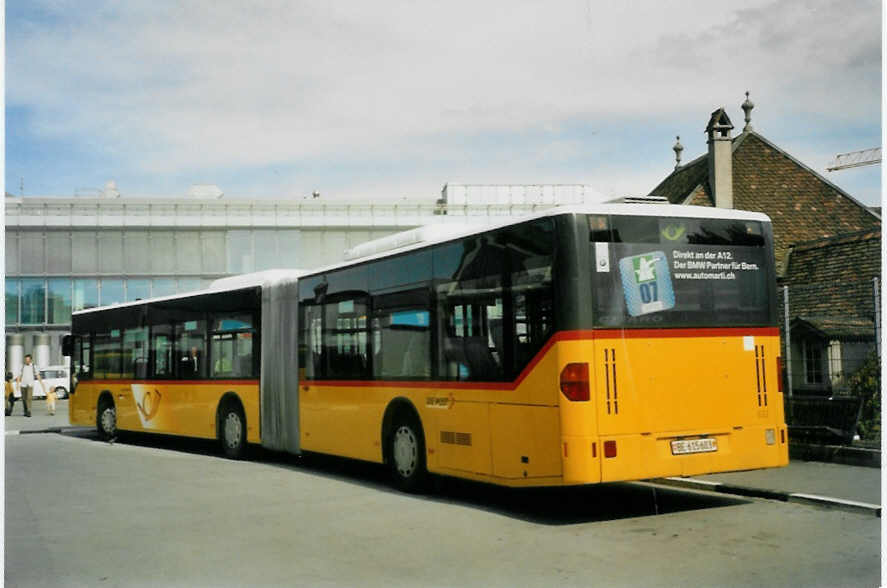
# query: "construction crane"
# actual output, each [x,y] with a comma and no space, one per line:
[856,159]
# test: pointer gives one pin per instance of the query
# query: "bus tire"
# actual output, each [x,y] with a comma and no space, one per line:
[106,418]
[232,430]
[406,453]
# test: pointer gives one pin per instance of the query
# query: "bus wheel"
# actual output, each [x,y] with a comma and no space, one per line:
[407,454]
[106,419]
[232,431]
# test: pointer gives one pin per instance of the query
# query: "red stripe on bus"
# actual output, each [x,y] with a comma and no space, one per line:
[579,335]
[412,384]
[172,382]
[670,333]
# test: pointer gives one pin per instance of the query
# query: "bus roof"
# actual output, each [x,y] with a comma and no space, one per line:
[268,277]
[227,284]
[261,278]
[657,210]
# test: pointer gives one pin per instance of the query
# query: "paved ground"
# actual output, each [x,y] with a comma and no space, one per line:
[40,418]
[810,477]
[153,511]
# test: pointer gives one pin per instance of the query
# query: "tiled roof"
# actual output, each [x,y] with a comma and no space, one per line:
[836,327]
[802,204]
[833,277]
[684,180]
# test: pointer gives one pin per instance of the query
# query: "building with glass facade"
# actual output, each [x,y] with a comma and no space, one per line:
[65,254]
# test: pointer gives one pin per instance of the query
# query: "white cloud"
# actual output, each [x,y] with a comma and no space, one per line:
[189,87]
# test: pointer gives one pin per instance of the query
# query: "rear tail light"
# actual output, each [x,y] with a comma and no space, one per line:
[782,435]
[574,382]
[779,372]
[609,449]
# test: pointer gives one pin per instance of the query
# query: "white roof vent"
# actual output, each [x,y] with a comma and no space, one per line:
[207,191]
[651,199]
[426,234]
[254,279]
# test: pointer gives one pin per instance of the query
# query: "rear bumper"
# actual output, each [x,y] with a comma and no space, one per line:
[643,456]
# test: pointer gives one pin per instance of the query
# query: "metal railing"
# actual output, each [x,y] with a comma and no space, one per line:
[230,212]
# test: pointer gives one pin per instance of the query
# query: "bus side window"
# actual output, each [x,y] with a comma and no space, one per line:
[191,349]
[530,262]
[243,354]
[402,335]
[82,358]
[161,351]
[401,316]
[312,329]
[108,354]
[345,341]
[135,353]
[231,346]
[470,301]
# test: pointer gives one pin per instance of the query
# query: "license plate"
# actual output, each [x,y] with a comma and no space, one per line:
[684,446]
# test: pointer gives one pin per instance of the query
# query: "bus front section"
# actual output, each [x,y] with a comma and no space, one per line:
[670,367]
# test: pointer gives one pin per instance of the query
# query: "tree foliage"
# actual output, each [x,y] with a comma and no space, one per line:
[866,383]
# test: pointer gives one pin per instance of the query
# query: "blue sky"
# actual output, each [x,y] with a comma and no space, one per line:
[388,100]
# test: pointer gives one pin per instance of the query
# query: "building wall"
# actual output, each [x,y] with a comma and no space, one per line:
[52,271]
[67,254]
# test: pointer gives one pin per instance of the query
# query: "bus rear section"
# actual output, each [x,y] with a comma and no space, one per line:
[677,374]
[671,403]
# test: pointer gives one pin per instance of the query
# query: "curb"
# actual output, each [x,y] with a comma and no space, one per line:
[46,430]
[795,497]
[856,456]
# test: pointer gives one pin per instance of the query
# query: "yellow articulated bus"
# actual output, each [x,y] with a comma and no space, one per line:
[581,345]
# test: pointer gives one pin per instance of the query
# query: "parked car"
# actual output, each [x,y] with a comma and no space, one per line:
[55,377]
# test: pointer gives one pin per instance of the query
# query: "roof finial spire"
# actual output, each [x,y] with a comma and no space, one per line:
[747,107]
[677,152]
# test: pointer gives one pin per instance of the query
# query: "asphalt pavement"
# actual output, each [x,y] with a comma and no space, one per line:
[170,512]
[40,419]
[839,486]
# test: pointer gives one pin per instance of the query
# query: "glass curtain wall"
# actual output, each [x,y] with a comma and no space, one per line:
[58,301]
[11,302]
[33,301]
[72,270]
[86,294]
[138,289]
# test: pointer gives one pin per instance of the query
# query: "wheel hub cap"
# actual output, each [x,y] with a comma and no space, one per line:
[233,430]
[109,420]
[406,451]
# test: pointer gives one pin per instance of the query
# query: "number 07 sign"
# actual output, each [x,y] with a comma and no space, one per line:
[646,283]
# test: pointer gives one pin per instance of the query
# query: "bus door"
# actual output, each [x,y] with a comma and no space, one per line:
[80,351]
[472,351]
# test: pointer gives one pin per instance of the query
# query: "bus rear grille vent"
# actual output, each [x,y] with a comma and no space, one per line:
[454,438]
[610,375]
[761,375]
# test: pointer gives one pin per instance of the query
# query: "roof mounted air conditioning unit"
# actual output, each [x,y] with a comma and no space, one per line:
[426,234]
[651,199]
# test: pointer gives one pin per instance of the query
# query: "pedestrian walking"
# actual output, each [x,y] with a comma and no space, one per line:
[10,394]
[25,380]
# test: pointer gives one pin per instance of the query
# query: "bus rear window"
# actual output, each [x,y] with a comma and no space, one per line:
[655,271]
